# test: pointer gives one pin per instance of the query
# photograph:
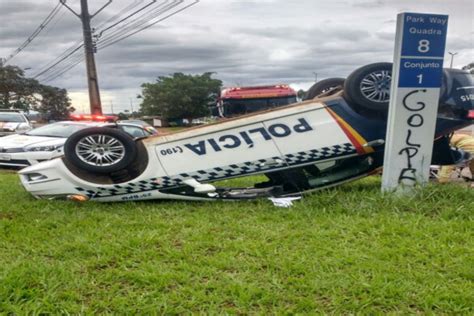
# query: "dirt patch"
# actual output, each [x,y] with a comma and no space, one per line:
[6,216]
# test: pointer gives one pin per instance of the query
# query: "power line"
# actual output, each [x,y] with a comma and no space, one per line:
[48,30]
[135,26]
[59,61]
[150,25]
[125,29]
[37,31]
[126,18]
[66,64]
[63,54]
[143,17]
[65,69]
[51,72]
[119,14]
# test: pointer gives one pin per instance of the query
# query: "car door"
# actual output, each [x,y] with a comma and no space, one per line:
[276,141]
[309,136]
[229,152]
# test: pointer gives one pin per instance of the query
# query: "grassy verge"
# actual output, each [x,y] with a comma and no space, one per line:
[345,250]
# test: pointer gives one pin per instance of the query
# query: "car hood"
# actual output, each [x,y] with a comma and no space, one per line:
[15,141]
[9,125]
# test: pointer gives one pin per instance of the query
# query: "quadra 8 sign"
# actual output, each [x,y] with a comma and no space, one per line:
[417,73]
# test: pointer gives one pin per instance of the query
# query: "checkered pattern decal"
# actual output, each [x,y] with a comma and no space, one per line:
[319,154]
[248,167]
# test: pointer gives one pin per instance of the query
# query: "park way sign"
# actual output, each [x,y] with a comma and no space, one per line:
[416,82]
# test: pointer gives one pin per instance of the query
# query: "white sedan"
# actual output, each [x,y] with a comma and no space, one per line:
[46,142]
[13,122]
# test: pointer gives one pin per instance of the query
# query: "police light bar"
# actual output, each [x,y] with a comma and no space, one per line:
[94,118]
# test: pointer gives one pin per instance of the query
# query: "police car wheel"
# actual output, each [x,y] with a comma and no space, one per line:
[100,150]
[325,87]
[369,87]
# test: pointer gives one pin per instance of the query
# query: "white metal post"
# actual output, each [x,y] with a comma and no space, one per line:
[416,81]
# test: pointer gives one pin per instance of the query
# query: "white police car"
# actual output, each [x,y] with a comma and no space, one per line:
[302,147]
[46,142]
[13,122]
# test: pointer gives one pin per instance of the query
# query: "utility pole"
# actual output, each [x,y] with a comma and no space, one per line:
[90,50]
[315,76]
[452,58]
[131,104]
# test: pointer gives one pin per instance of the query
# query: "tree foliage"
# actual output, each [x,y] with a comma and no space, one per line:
[20,92]
[54,104]
[17,91]
[301,94]
[180,96]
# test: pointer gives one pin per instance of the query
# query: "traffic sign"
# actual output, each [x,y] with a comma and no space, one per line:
[424,34]
[416,81]
[420,73]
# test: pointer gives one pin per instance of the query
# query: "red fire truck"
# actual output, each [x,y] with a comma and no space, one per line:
[241,100]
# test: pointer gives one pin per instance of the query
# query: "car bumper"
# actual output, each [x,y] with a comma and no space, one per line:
[52,180]
[26,159]
[3,133]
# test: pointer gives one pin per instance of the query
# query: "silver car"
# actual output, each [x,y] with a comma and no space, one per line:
[46,142]
[13,122]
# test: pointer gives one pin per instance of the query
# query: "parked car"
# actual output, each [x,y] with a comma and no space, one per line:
[46,142]
[147,127]
[13,122]
[302,147]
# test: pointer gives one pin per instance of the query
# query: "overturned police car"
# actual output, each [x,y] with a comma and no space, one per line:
[324,141]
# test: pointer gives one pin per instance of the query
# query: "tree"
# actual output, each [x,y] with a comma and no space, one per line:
[301,94]
[180,96]
[55,103]
[17,91]
[122,116]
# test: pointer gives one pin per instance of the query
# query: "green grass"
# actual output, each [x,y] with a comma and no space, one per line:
[345,250]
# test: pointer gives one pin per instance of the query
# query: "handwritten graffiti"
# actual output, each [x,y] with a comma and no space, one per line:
[412,148]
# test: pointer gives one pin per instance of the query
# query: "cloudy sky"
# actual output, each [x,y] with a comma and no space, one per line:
[245,42]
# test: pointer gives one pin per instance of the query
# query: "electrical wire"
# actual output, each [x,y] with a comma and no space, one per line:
[63,54]
[136,25]
[126,18]
[73,63]
[59,61]
[36,32]
[121,30]
[50,70]
[150,25]
[119,14]
[133,23]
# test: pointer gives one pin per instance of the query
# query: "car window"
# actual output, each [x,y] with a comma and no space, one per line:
[57,130]
[134,131]
[12,117]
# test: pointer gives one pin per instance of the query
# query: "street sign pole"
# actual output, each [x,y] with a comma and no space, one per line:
[416,82]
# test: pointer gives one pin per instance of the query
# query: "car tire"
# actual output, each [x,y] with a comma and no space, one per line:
[100,150]
[368,87]
[327,87]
